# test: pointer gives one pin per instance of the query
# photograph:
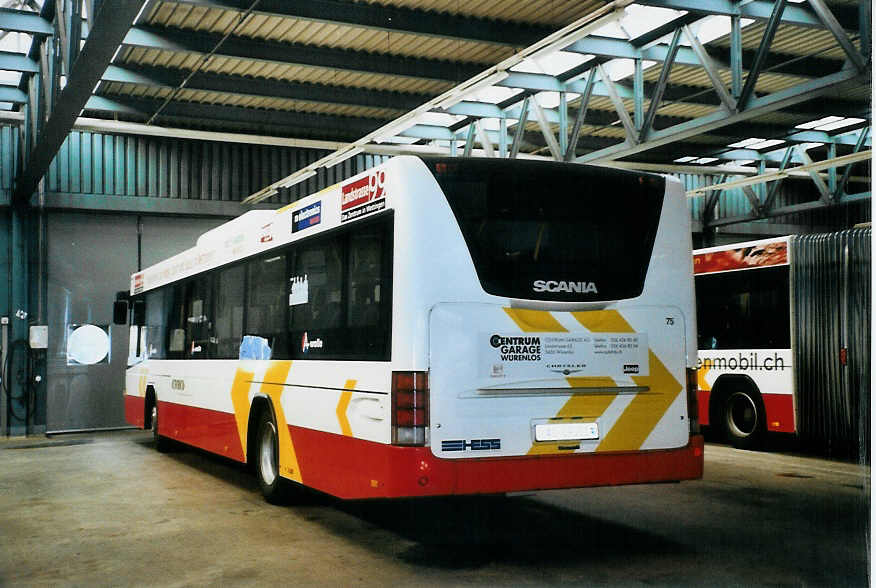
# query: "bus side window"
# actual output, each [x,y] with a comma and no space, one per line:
[199,322]
[229,312]
[266,302]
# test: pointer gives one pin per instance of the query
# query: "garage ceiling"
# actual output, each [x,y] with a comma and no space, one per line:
[666,82]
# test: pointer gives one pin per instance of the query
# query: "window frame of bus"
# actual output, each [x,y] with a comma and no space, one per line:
[345,233]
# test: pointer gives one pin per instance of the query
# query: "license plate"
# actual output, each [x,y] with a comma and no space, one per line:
[566,431]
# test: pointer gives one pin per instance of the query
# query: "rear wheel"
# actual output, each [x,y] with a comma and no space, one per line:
[160,442]
[743,419]
[267,459]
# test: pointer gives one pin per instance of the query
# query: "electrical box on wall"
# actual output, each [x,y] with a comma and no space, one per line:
[39,337]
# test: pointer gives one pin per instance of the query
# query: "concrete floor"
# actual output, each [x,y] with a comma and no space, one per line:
[106,509]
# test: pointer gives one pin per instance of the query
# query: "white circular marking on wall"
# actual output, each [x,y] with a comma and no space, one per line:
[87,344]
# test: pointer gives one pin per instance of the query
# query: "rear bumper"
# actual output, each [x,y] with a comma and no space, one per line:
[361,469]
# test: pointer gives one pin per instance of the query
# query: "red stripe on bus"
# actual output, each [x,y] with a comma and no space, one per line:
[779,412]
[211,430]
[703,406]
[135,410]
[352,468]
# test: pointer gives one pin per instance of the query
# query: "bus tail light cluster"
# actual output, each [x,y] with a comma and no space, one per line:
[693,408]
[410,408]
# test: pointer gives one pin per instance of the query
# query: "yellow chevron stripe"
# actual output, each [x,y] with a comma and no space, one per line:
[589,407]
[534,321]
[646,409]
[240,402]
[603,321]
[702,383]
[272,387]
[343,405]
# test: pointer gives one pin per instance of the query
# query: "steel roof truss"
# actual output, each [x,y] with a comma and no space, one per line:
[711,70]
[841,185]
[797,15]
[23,21]
[546,131]
[579,118]
[521,124]
[832,24]
[626,121]
[762,50]
[660,88]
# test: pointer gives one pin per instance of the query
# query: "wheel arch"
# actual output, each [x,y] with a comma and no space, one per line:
[260,404]
[722,388]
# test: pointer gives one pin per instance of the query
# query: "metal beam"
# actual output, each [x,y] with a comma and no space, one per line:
[797,15]
[819,183]
[18,62]
[619,107]
[841,187]
[832,24]
[145,205]
[556,151]
[660,88]
[776,101]
[144,107]
[247,86]
[109,28]
[521,126]
[709,66]
[763,49]
[396,19]
[583,105]
[12,94]
[23,21]
[307,55]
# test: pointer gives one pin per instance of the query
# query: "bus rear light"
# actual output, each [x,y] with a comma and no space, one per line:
[693,409]
[410,408]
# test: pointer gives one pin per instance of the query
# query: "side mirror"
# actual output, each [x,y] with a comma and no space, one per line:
[139,313]
[120,312]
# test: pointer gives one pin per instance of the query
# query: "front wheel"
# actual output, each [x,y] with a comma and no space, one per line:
[743,419]
[267,460]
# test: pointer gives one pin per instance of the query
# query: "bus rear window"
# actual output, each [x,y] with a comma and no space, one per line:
[561,232]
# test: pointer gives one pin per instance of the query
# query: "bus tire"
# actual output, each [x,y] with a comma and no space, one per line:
[267,459]
[743,418]
[160,442]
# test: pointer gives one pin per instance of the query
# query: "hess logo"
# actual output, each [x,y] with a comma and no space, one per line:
[561,286]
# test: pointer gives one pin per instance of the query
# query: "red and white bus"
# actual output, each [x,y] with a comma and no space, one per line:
[746,364]
[433,327]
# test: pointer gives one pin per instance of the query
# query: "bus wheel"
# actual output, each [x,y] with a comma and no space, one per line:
[743,419]
[267,459]
[160,442]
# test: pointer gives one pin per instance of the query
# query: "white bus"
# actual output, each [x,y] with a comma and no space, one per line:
[433,327]
[784,338]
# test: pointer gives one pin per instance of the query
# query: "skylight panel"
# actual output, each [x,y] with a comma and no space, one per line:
[746,142]
[756,143]
[644,19]
[714,27]
[438,119]
[818,122]
[10,77]
[766,144]
[560,62]
[704,160]
[685,159]
[846,122]
[492,94]
[619,69]
[528,65]
[552,99]
[737,163]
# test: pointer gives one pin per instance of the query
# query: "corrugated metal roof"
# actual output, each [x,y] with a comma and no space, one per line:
[363,53]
